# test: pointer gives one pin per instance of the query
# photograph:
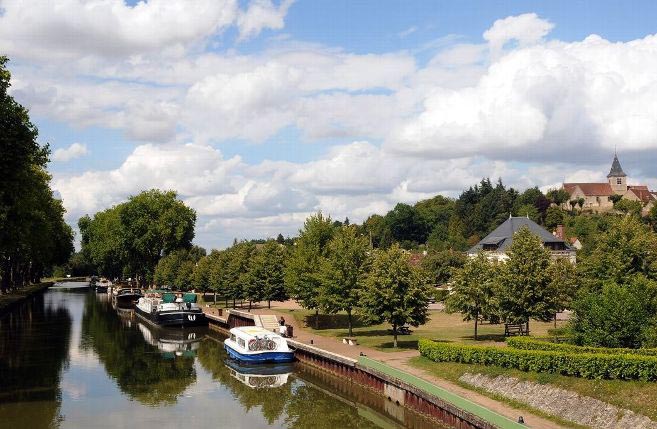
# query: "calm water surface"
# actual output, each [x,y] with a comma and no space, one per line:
[70,360]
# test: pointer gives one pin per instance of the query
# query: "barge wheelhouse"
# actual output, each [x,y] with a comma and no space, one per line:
[166,309]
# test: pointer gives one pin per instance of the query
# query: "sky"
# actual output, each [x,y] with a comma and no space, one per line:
[260,112]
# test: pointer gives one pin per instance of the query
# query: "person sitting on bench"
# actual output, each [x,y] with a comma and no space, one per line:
[282,329]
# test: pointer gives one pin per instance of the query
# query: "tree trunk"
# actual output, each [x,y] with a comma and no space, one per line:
[269,304]
[234,303]
[476,325]
[527,328]
[317,318]
[214,300]
[394,336]
[555,320]
[249,305]
[351,333]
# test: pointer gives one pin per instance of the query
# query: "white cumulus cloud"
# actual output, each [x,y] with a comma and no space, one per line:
[75,150]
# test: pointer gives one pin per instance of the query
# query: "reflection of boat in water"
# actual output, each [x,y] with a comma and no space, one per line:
[173,342]
[127,295]
[260,376]
[102,285]
[126,314]
[257,345]
[164,308]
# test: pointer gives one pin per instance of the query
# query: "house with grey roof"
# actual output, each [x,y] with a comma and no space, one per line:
[497,243]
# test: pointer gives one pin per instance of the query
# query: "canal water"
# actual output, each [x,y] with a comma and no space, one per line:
[68,359]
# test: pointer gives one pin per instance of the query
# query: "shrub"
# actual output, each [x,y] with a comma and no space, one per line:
[585,365]
[527,343]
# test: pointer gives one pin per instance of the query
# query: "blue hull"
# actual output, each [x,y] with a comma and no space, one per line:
[266,357]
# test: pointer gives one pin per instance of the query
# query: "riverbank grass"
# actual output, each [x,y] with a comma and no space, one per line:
[9,299]
[441,326]
[638,396]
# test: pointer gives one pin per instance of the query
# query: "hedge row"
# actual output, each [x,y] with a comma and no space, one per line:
[586,365]
[528,343]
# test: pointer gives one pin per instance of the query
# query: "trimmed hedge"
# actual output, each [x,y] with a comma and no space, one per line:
[585,365]
[528,343]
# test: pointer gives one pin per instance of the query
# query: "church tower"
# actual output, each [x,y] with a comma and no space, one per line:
[617,177]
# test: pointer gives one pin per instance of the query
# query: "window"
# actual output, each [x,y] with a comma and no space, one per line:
[619,181]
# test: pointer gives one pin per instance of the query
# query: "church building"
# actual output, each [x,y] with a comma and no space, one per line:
[598,196]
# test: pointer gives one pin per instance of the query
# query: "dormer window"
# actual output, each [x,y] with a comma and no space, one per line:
[619,181]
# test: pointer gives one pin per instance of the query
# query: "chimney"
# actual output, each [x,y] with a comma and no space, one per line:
[559,233]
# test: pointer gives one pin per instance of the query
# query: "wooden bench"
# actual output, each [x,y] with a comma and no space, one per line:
[515,329]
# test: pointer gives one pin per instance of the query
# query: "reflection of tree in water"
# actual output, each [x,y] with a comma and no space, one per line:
[138,368]
[302,406]
[313,408]
[34,343]
[271,401]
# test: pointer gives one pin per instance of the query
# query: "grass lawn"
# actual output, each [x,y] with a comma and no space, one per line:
[638,396]
[441,326]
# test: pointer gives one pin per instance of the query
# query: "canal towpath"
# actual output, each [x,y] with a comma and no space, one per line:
[398,360]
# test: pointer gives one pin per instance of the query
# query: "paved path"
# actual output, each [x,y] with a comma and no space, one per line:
[400,360]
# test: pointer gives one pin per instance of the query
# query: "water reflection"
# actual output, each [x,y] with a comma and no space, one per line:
[34,341]
[137,366]
[173,342]
[70,360]
[260,376]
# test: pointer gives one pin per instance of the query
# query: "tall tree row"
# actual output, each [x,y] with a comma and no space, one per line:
[33,234]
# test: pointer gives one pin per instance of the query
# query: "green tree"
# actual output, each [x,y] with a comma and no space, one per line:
[33,234]
[439,266]
[558,196]
[629,207]
[395,292]
[219,277]
[177,268]
[237,274]
[564,284]
[627,248]
[406,225]
[473,291]
[524,281]
[201,276]
[554,216]
[617,315]
[343,272]
[652,217]
[530,211]
[154,223]
[303,270]
[267,272]
[377,230]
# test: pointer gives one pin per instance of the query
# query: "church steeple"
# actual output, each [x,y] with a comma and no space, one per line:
[616,169]
[617,177]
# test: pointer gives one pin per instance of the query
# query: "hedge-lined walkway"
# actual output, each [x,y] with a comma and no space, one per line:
[400,360]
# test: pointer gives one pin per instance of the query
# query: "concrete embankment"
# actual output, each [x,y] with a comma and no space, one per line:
[397,386]
[10,300]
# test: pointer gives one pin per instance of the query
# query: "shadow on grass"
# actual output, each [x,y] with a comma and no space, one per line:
[401,344]
[333,321]
[485,337]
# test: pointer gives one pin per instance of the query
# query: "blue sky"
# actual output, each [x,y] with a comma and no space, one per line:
[259,112]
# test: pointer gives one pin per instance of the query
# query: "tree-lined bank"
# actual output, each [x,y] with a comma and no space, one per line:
[33,234]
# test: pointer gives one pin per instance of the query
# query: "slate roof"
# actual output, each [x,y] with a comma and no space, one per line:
[502,236]
[592,189]
[616,169]
[642,193]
